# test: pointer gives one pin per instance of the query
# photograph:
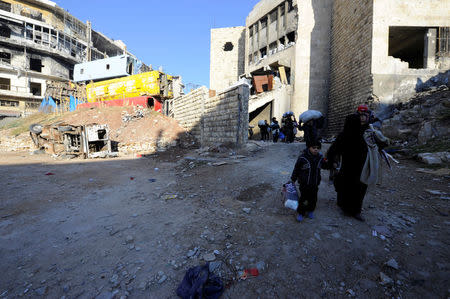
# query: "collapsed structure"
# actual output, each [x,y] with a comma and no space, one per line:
[40,43]
[332,55]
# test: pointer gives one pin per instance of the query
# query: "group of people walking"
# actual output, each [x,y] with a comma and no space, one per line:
[353,156]
[287,131]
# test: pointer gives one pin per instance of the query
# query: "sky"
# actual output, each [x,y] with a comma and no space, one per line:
[174,34]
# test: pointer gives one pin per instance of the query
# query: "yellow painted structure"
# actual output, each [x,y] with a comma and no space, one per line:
[152,83]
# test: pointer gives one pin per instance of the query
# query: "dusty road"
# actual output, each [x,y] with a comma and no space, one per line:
[131,227]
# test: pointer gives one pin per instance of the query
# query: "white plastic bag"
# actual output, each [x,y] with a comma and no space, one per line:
[291,204]
[290,196]
[309,114]
[261,122]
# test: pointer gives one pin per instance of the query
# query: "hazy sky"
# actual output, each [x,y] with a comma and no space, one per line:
[174,34]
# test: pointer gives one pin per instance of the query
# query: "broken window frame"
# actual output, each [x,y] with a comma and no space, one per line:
[290,6]
[263,52]
[263,22]
[290,37]
[36,88]
[410,52]
[36,64]
[5,57]
[5,31]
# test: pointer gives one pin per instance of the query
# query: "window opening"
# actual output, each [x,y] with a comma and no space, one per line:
[5,6]
[107,66]
[5,83]
[263,52]
[290,6]
[250,31]
[282,10]
[443,42]
[9,103]
[407,44]
[250,57]
[228,46]
[282,40]
[291,37]
[36,88]
[5,31]
[263,22]
[130,69]
[5,57]
[36,65]
[273,48]
[274,15]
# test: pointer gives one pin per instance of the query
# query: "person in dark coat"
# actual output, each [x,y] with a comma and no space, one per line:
[289,129]
[310,131]
[352,148]
[275,128]
[307,173]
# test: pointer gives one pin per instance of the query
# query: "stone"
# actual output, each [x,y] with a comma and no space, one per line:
[317,236]
[433,192]
[41,291]
[129,239]
[385,280]
[430,158]
[162,279]
[392,263]
[336,235]
[209,257]
[351,292]
[261,265]
[246,210]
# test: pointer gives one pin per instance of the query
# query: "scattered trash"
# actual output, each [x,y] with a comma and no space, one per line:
[156,168]
[199,282]
[248,273]
[246,210]
[49,173]
[131,178]
[152,180]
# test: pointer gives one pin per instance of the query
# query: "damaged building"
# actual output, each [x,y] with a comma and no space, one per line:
[41,42]
[332,55]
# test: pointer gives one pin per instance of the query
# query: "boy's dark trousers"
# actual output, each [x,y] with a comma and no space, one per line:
[308,199]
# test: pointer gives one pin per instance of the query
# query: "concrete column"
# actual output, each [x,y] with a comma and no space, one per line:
[429,55]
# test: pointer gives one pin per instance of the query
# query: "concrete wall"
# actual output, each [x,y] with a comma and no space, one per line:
[351,50]
[226,66]
[312,56]
[393,80]
[219,119]
[280,98]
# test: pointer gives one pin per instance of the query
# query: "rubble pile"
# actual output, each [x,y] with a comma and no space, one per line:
[423,119]
[132,130]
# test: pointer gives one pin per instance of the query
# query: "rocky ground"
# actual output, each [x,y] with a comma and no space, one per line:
[130,227]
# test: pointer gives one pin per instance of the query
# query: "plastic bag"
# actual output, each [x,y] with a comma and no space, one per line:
[309,114]
[290,196]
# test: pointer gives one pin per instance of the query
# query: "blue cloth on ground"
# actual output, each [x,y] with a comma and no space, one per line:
[198,282]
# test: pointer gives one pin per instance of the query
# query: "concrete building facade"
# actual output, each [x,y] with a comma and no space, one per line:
[40,42]
[227,56]
[331,55]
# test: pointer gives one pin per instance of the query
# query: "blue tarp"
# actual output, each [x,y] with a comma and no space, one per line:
[73,103]
[47,105]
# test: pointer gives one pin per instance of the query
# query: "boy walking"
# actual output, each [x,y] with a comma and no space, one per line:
[307,173]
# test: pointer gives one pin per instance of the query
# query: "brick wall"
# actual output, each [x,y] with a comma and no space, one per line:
[351,48]
[219,119]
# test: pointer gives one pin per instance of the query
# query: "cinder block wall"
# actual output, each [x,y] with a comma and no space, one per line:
[351,52]
[219,119]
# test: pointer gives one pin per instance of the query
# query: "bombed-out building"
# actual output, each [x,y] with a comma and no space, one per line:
[331,55]
[41,42]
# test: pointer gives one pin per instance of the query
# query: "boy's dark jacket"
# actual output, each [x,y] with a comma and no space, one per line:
[307,169]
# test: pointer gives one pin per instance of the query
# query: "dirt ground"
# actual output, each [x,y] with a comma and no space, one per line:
[131,227]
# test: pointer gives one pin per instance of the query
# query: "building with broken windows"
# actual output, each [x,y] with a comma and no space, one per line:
[331,55]
[41,42]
